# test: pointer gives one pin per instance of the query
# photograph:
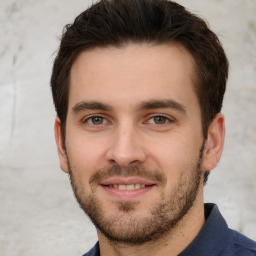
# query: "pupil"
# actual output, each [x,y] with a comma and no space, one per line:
[159,120]
[97,120]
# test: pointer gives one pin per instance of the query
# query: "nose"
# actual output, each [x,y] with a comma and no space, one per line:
[126,147]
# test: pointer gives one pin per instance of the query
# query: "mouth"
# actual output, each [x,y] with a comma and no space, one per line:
[126,188]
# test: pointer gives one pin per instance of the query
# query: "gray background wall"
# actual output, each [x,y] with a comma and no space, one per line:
[38,213]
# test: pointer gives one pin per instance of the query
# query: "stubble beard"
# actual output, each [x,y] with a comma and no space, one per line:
[162,218]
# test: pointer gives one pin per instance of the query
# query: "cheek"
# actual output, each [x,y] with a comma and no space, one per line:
[175,155]
[84,156]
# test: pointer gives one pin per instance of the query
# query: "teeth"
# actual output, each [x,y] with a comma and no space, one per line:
[122,187]
[137,186]
[127,187]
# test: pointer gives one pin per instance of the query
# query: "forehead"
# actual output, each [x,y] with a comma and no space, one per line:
[132,73]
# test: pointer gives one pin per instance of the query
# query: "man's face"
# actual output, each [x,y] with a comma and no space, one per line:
[134,141]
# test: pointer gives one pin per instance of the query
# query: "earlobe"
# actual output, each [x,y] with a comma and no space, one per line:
[60,145]
[214,143]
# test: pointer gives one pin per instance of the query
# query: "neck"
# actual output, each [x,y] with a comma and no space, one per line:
[172,244]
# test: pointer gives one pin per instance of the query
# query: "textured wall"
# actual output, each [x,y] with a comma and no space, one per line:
[39,215]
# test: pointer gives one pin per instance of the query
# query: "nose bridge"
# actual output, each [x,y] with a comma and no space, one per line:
[127,147]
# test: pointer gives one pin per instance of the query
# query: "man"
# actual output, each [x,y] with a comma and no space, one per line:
[138,87]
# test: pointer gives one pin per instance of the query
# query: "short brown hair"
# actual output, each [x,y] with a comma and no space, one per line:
[116,22]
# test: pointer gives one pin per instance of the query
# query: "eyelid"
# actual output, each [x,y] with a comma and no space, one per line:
[89,117]
[169,118]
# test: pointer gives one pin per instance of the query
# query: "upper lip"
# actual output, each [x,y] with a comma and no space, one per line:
[126,181]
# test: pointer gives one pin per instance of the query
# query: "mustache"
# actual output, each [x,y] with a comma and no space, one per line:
[137,170]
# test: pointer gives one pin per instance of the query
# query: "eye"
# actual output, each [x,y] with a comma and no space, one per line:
[158,120]
[96,120]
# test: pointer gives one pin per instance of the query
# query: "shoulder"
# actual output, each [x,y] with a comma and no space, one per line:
[95,251]
[240,244]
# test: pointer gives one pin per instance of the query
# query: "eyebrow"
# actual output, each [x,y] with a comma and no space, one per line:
[90,105]
[169,103]
[145,105]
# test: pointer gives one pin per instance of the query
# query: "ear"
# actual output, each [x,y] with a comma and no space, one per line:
[214,143]
[60,146]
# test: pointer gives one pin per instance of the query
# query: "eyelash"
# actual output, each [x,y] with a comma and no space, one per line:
[96,116]
[167,119]
[89,121]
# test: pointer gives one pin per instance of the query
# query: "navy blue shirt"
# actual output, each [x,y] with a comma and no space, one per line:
[214,239]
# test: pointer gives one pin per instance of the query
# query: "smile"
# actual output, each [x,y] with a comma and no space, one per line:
[127,187]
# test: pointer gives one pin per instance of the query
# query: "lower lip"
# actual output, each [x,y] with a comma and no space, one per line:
[126,194]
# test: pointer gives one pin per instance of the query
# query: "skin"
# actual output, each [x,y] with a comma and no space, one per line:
[128,135]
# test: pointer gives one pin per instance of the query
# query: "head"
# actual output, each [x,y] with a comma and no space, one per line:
[147,30]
